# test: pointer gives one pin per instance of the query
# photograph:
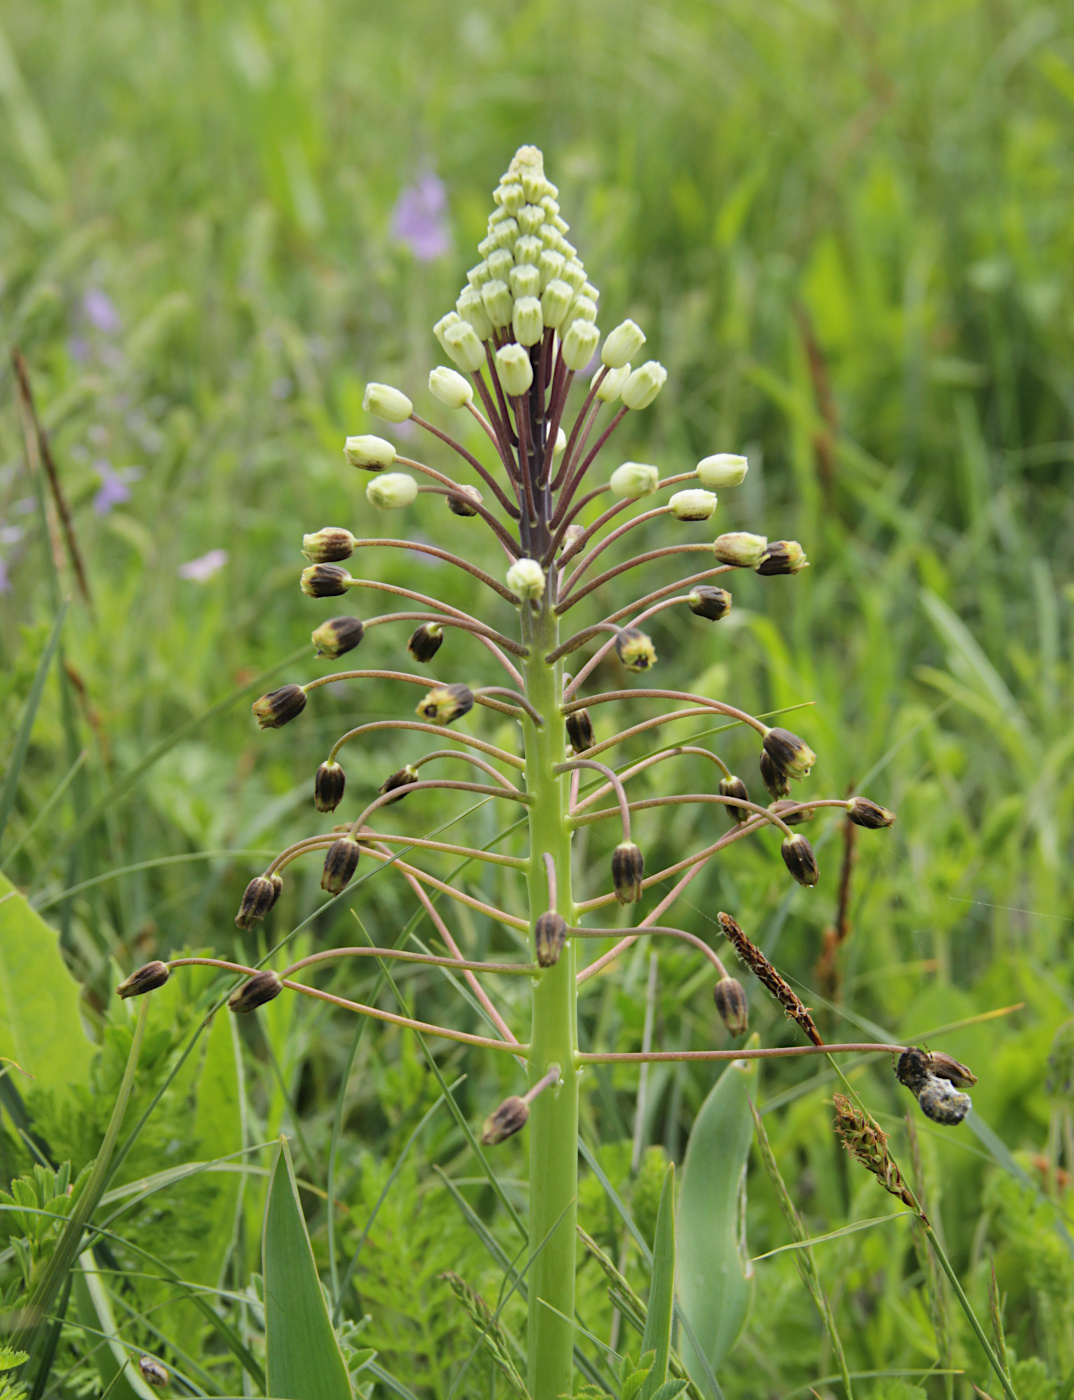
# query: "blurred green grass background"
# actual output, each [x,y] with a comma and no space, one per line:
[848,229]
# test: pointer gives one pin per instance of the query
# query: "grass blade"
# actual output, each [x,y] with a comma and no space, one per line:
[657,1335]
[29,714]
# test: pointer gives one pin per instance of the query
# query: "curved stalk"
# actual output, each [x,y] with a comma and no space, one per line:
[662,931]
[649,762]
[644,693]
[646,558]
[447,557]
[460,738]
[466,758]
[483,472]
[451,488]
[477,628]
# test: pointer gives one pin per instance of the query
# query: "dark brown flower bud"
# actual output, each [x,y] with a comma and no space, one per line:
[782,557]
[425,641]
[947,1067]
[628,867]
[912,1068]
[153,1373]
[799,859]
[324,581]
[735,787]
[731,1003]
[775,780]
[942,1102]
[257,899]
[263,986]
[580,730]
[402,777]
[340,863]
[793,813]
[790,754]
[445,703]
[144,979]
[463,503]
[328,545]
[279,707]
[549,936]
[711,603]
[337,635]
[328,784]
[634,649]
[507,1120]
[862,812]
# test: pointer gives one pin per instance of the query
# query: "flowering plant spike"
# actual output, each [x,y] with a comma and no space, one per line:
[523,329]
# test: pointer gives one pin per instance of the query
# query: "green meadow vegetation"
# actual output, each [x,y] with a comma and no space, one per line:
[847,228]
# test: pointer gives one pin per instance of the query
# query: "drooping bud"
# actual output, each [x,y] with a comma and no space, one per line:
[526,578]
[579,344]
[382,401]
[622,344]
[258,898]
[450,387]
[425,641]
[862,812]
[799,859]
[580,730]
[497,301]
[402,777]
[471,307]
[722,469]
[731,1003]
[555,300]
[735,787]
[634,649]
[644,384]
[279,707]
[507,1120]
[710,603]
[340,863]
[445,703]
[611,386]
[628,867]
[583,308]
[153,1373]
[262,987]
[634,479]
[791,813]
[460,342]
[372,453]
[464,501]
[947,1067]
[789,753]
[328,545]
[559,446]
[776,782]
[692,505]
[392,491]
[337,635]
[328,784]
[324,581]
[739,548]
[514,370]
[549,936]
[527,322]
[447,322]
[144,979]
[782,557]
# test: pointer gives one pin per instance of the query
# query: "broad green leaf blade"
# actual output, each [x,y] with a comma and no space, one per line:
[115,1365]
[657,1335]
[40,1025]
[714,1271]
[303,1358]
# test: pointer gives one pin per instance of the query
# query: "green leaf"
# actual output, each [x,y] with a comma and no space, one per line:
[111,1357]
[303,1358]
[26,724]
[40,1025]
[714,1272]
[657,1335]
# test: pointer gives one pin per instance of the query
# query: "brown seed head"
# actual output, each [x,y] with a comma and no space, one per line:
[735,787]
[864,1139]
[402,777]
[710,603]
[783,557]
[549,936]
[144,979]
[425,641]
[324,581]
[279,707]
[580,730]
[768,977]
[799,859]
[257,899]
[340,863]
[862,812]
[463,502]
[791,812]
[791,755]
[776,782]
[328,784]
[628,867]
[507,1120]
[263,986]
[730,998]
[445,703]
[328,545]
[337,635]
[635,649]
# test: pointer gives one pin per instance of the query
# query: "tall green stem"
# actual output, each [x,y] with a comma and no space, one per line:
[553,1124]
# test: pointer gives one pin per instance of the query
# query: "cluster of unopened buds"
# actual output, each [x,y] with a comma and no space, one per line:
[521,337]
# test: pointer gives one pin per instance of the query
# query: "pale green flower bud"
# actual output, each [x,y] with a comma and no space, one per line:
[634,479]
[743,550]
[442,327]
[722,469]
[524,281]
[382,401]
[622,345]
[497,217]
[644,384]
[450,387]
[570,252]
[550,204]
[527,321]
[392,491]
[556,221]
[460,342]
[528,249]
[550,236]
[526,578]
[560,445]
[510,196]
[471,307]
[479,275]
[590,291]
[692,505]
[500,264]
[514,370]
[579,344]
[611,386]
[573,273]
[497,298]
[582,309]
[556,302]
[487,246]
[504,233]
[373,453]
[530,218]
[550,264]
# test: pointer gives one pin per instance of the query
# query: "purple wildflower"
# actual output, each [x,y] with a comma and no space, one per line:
[100,312]
[203,568]
[419,218]
[114,488]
